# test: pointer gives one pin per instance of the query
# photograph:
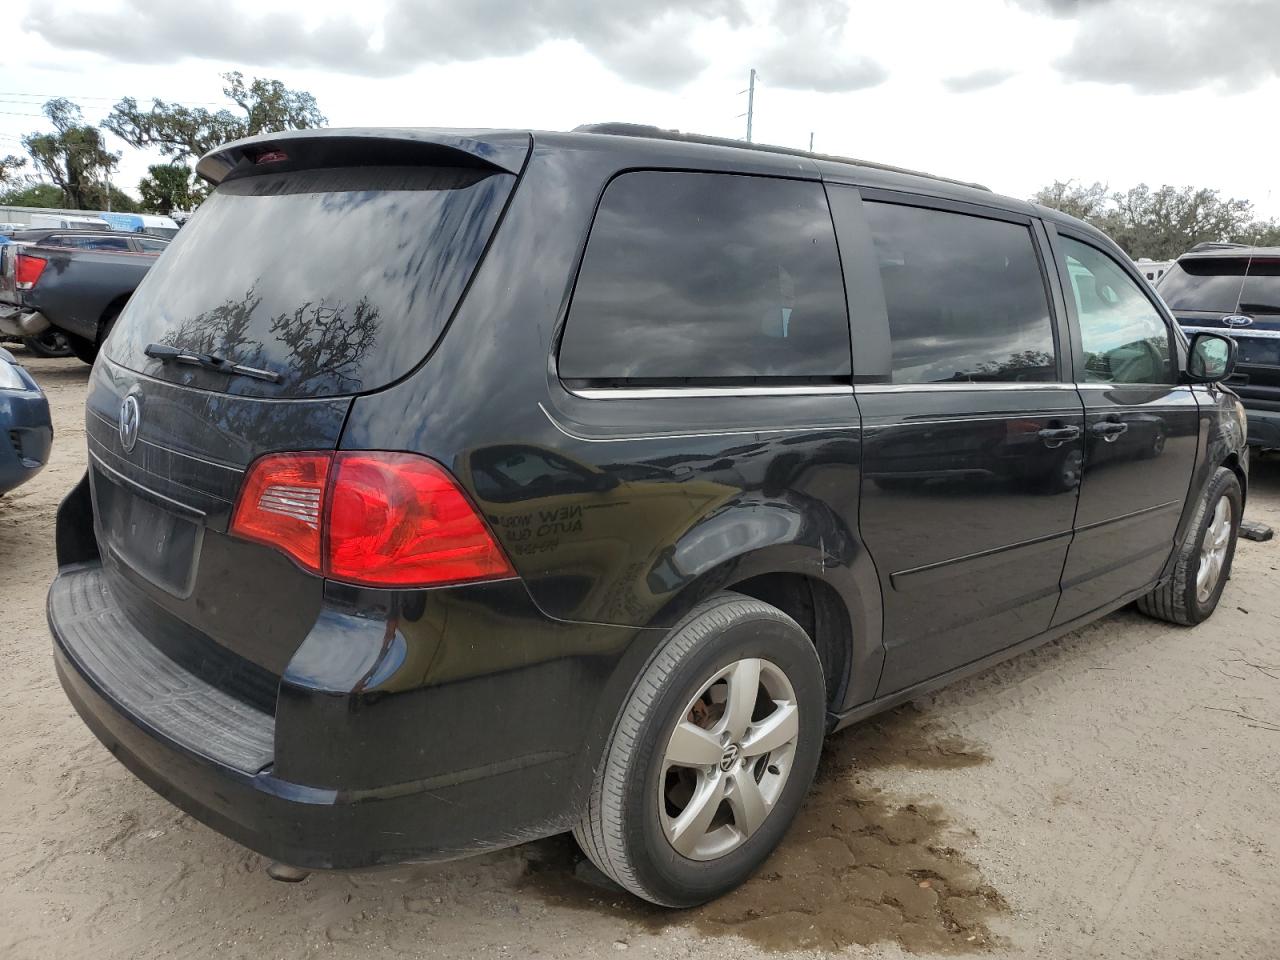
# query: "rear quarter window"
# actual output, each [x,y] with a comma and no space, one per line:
[702,277]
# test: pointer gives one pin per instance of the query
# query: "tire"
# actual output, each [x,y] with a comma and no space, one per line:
[51,343]
[1183,599]
[630,817]
[85,350]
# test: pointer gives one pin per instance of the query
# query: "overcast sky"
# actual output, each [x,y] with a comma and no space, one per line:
[1012,93]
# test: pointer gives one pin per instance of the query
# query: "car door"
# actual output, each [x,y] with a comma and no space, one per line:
[971,426]
[1141,428]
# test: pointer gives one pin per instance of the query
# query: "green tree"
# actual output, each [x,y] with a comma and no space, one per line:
[1080,201]
[1161,224]
[74,156]
[187,133]
[9,167]
[167,187]
[35,195]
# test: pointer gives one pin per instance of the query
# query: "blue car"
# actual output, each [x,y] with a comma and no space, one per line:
[26,431]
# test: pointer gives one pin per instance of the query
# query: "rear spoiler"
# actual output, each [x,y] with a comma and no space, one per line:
[502,151]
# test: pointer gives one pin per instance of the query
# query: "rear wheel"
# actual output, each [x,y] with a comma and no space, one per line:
[87,350]
[1204,560]
[83,348]
[51,343]
[712,755]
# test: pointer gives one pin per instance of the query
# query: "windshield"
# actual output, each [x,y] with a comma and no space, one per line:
[1223,284]
[339,280]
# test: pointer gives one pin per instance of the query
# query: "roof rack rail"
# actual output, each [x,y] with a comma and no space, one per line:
[1217,245]
[657,133]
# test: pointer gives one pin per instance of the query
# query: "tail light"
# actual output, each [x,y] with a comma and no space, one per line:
[377,519]
[27,270]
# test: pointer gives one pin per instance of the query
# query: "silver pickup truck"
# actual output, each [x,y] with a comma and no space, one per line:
[75,282]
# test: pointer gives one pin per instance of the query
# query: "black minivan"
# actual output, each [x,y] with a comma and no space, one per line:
[451,489]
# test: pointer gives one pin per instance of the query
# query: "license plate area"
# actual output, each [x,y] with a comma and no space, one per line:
[152,540]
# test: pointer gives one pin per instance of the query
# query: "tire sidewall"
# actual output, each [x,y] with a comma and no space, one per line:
[671,877]
[1223,484]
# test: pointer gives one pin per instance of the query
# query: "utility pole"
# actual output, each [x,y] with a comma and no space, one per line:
[751,102]
[811,141]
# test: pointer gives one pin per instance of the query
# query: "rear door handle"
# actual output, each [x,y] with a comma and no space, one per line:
[1109,430]
[1057,436]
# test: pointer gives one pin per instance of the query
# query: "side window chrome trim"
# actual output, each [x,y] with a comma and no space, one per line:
[660,393]
[954,387]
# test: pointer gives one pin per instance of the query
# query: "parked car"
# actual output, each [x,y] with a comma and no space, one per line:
[26,431]
[1235,289]
[73,282]
[549,505]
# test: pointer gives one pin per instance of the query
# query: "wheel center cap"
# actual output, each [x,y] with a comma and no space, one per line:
[731,754]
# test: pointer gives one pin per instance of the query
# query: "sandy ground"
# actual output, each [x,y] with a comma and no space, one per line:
[1113,794]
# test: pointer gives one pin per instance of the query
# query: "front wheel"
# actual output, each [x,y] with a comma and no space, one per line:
[712,756]
[1203,565]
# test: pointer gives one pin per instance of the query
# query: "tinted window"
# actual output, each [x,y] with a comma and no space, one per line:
[702,276]
[1224,284]
[1125,340]
[150,246]
[965,295]
[340,279]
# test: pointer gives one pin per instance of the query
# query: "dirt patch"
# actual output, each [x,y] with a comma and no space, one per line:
[858,867]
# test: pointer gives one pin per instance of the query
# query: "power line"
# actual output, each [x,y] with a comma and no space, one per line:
[74,96]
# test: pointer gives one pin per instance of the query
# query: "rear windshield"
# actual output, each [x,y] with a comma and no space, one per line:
[1224,284]
[339,280]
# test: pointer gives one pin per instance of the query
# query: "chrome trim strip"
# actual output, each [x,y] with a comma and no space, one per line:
[170,450]
[746,431]
[1236,333]
[664,393]
[954,387]
[187,508]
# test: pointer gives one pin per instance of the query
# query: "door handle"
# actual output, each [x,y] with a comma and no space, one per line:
[1054,437]
[1109,430]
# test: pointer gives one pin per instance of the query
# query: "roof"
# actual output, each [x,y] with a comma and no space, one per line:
[657,133]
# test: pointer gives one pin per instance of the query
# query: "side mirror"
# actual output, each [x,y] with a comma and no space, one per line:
[1212,358]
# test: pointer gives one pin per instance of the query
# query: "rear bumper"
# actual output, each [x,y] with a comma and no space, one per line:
[150,727]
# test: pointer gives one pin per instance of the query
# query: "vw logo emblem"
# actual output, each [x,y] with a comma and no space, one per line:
[731,754]
[129,416]
[1237,320]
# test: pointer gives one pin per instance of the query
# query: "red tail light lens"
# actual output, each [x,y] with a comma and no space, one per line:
[27,270]
[378,519]
[282,504]
[396,519]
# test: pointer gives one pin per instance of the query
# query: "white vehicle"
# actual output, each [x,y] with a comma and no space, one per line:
[1153,270]
[67,222]
[150,224]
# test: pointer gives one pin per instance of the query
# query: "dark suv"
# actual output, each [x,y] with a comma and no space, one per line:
[1234,289]
[450,489]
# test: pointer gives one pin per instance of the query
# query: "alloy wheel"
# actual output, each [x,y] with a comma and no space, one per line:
[1213,552]
[728,759]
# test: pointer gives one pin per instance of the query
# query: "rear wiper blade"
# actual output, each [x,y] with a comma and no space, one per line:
[209,361]
[1260,307]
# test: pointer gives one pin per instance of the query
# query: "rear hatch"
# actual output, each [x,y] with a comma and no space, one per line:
[1237,294]
[329,264]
